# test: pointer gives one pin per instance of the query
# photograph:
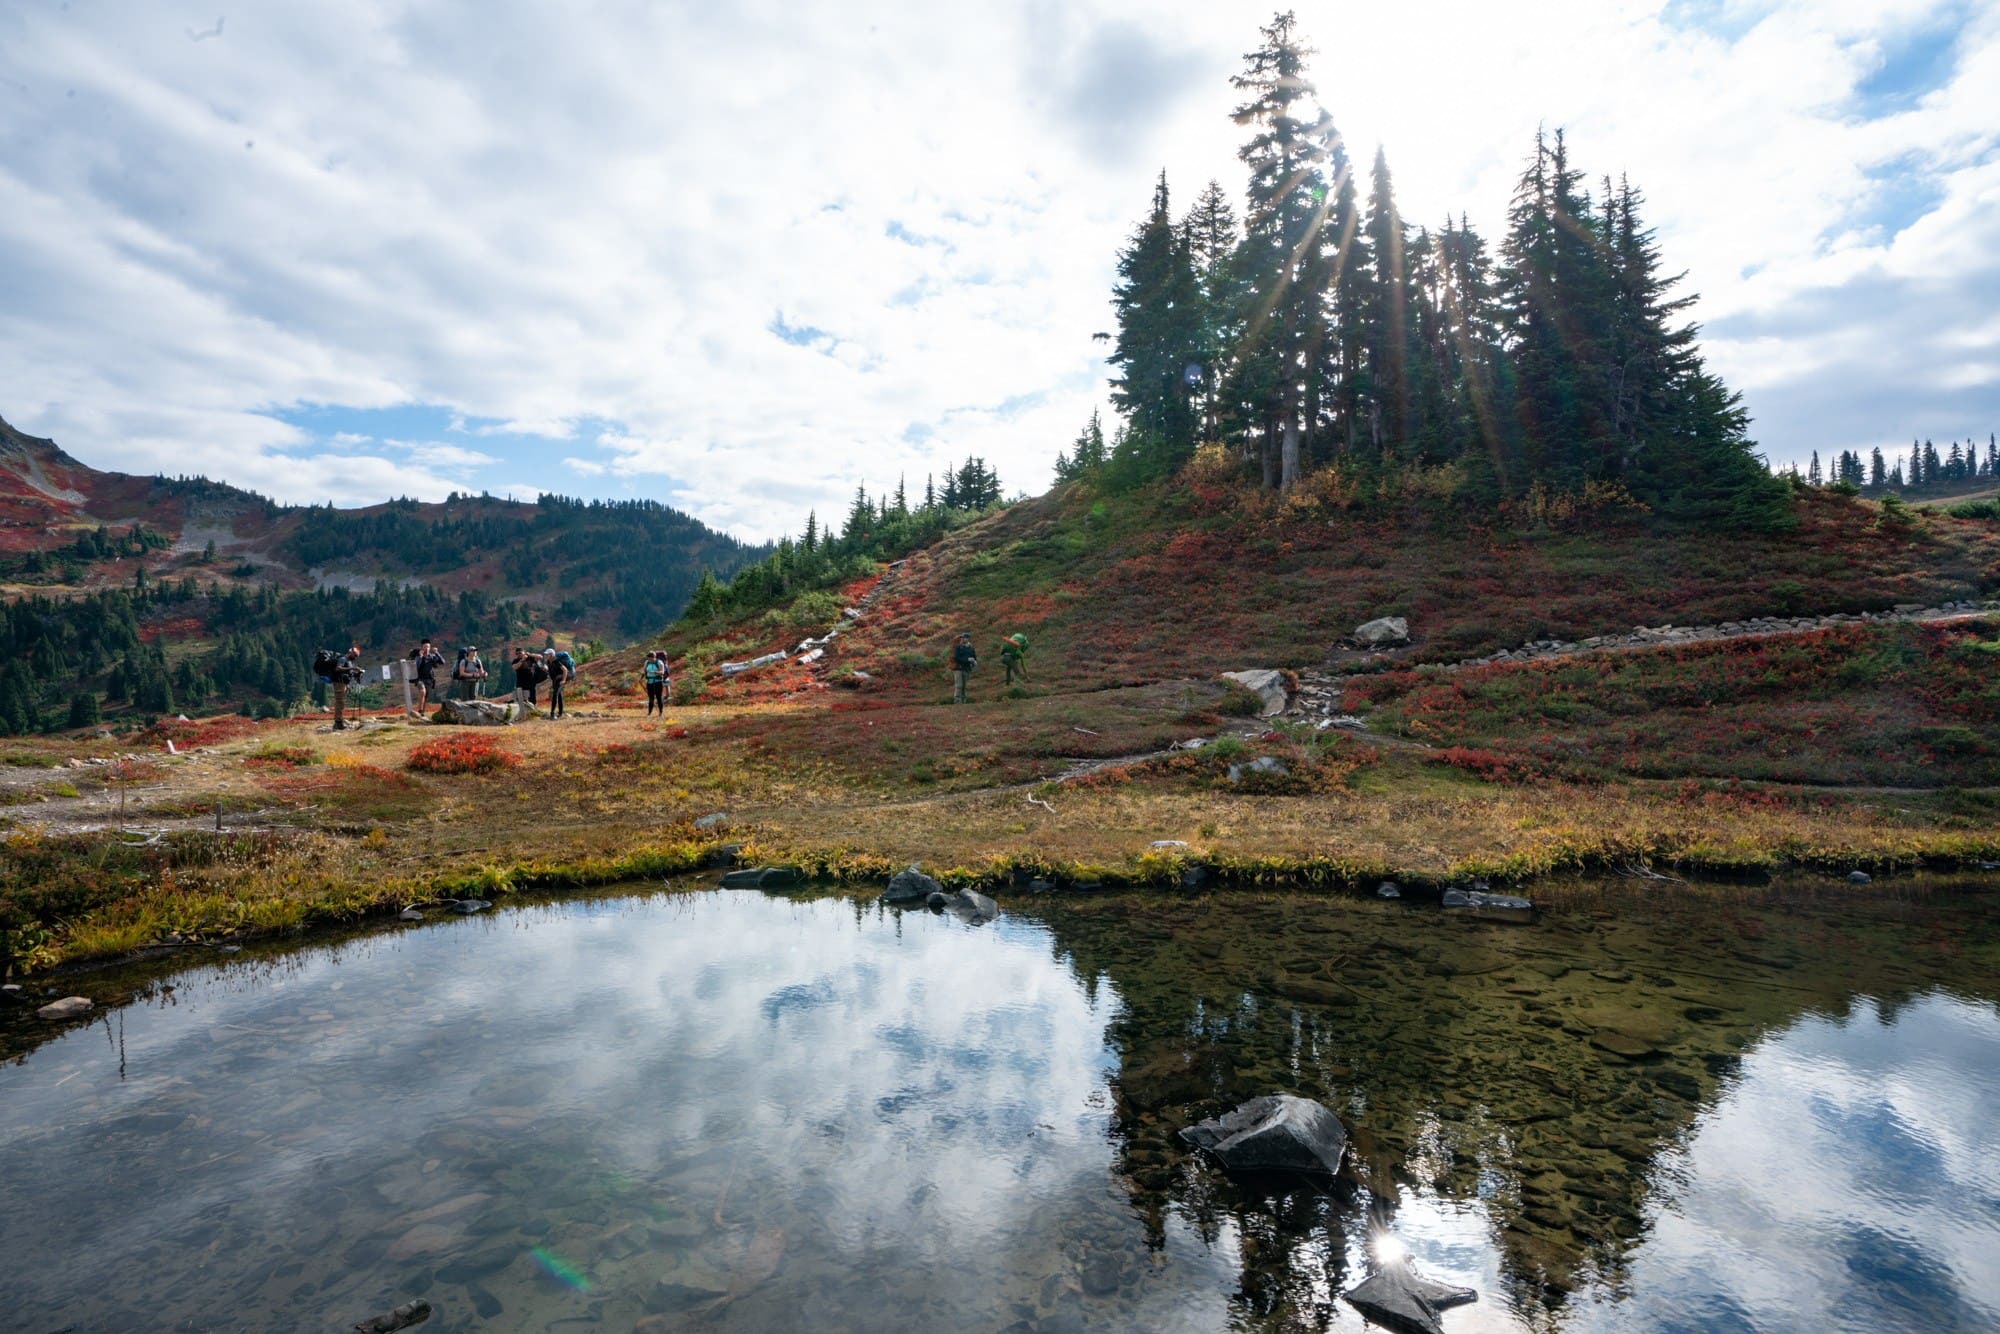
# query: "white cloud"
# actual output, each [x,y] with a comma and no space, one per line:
[542,218]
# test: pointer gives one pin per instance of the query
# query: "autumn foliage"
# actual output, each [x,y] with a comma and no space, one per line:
[462,753]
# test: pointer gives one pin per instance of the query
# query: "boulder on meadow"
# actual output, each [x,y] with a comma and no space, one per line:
[911,885]
[1382,632]
[1267,683]
[482,712]
[1278,1133]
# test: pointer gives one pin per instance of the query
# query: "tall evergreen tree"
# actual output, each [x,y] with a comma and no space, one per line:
[1211,236]
[1282,260]
[1387,294]
[1158,301]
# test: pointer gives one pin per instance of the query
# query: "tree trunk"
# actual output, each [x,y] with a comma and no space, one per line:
[1289,454]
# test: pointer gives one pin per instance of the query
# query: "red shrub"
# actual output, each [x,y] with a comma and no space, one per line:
[461,754]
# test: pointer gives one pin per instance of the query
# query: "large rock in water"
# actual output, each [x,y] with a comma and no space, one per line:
[1279,1133]
[1382,632]
[910,885]
[971,907]
[69,1007]
[1399,1298]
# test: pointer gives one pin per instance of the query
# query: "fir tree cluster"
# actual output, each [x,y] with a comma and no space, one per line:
[875,529]
[1323,328]
[1925,468]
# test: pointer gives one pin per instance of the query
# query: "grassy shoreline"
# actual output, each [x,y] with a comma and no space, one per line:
[289,890]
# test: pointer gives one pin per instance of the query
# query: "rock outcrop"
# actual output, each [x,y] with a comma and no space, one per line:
[1268,684]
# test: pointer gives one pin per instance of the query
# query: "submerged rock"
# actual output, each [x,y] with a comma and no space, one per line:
[409,1313]
[470,906]
[1388,889]
[410,915]
[910,885]
[1489,907]
[764,877]
[1400,1298]
[1278,1133]
[69,1007]
[1859,878]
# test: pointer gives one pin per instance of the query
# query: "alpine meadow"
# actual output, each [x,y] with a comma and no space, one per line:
[611,745]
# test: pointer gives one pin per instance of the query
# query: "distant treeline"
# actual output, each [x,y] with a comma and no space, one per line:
[1324,331]
[68,656]
[1924,468]
[883,528]
[638,559]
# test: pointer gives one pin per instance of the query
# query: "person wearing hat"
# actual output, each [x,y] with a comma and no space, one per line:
[468,672]
[963,660]
[1014,656]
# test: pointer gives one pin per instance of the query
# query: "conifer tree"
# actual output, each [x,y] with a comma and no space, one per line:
[1282,261]
[1210,229]
[1387,294]
[1813,475]
[1878,471]
[1159,308]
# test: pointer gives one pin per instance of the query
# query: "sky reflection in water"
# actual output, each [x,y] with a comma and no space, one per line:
[738,1109]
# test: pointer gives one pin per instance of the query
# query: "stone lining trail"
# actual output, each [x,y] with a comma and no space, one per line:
[1319,691]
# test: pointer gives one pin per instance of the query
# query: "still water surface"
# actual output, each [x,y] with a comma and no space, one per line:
[724,1110]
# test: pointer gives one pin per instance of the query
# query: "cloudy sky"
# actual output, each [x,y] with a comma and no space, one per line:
[743,257]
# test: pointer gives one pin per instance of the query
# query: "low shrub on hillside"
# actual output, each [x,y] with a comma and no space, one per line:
[467,753]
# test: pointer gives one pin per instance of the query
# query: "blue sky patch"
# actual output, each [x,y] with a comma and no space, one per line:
[1915,62]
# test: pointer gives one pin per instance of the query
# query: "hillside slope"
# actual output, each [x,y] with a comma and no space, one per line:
[1192,581]
[565,562]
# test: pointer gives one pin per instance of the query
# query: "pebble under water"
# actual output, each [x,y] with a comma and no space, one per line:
[1655,1109]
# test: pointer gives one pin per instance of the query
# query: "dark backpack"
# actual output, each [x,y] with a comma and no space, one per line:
[325,664]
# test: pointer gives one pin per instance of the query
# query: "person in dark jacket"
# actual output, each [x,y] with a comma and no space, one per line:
[345,673]
[425,661]
[963,660]
[528,674]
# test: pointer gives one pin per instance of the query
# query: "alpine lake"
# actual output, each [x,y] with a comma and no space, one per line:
[1656,1107]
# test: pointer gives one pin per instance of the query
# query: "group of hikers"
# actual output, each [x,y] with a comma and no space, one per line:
[530,669]
[965,659]
[556,667]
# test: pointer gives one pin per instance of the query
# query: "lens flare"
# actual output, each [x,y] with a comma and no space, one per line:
[1388,1248]
[560,1269]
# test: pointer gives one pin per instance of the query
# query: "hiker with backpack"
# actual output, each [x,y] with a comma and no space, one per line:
[657,681]
[963,661]
[339,670]
[469,671]
[529,673]
[425,662]
[562,670]
[1014,656]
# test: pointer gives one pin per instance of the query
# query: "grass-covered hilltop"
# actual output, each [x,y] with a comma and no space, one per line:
[1507,590]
